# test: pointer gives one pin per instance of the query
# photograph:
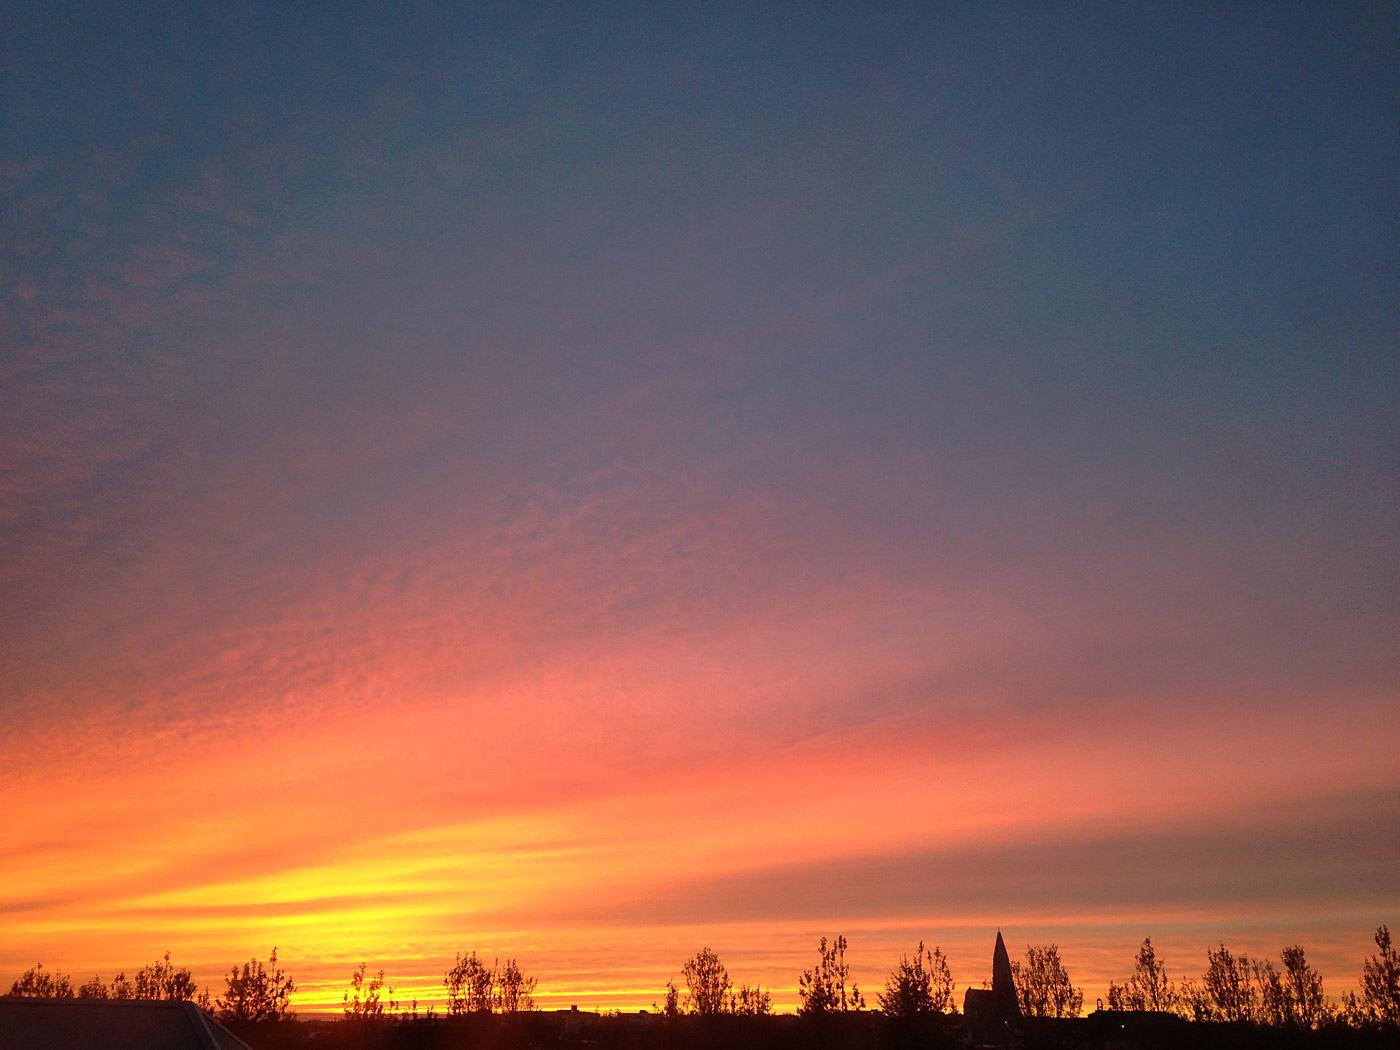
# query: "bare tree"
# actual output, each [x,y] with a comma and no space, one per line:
[1043,984]
[1380,983]
[1307,1004]
[751,1002]
[1229,985]
[161,980]
[367,1001]
[515,993]
[822,990]
[707,983]
[671,1004]
[470,986]
[120,988]
[1148,988]
[1196,1002]
[923,985]
[257,993]
[1291,997]
[1274,1008]
[37,983]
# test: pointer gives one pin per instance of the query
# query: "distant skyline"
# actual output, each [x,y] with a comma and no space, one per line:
[583,484]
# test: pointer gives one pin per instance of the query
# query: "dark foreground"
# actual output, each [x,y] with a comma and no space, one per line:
[586,1031]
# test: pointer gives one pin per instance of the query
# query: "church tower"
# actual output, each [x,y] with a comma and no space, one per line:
[991,1014]
[1004,1000]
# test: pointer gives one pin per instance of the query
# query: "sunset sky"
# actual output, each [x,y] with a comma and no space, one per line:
[583,482]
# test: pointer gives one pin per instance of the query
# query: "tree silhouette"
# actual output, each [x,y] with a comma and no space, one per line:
[822,990]
[922,985]
[515,993]
[751,1002]
[671,1004]
[1232,988]
[1380,983]
[1228,983]
[1274,1007]
[365,1001]
[1148,988]
[1308,1005]
[161,980]
[257,994]
[470,986]
[1043,985]
[1291,997]
[120,988]
[707,984]
[1196,1003]
[36,983]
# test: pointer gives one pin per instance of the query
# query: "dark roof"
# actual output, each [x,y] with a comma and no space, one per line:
[1135,1019]
[112,1024]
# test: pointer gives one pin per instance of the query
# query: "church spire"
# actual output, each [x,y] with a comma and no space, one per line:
[1003,984]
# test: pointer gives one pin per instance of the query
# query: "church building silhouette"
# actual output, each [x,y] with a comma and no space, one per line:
[990,1012]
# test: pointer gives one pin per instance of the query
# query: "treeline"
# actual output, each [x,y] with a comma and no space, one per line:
[1231,989]
[253,994]
[472,987]
[1236,988]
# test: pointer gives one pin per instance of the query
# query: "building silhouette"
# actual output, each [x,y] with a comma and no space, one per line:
[992,1014]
